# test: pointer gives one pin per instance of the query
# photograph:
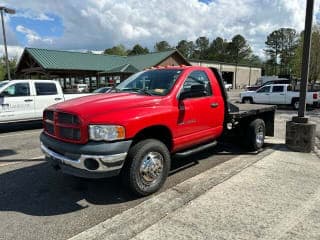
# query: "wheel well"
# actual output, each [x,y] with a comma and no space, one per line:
[294,100]
[160,133]
[250,98]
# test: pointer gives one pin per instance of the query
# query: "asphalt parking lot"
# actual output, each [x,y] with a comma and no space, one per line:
[36,202]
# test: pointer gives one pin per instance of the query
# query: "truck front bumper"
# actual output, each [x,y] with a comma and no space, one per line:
[91,160]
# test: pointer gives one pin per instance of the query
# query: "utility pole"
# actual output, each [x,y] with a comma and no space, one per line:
[305,58]
[9,11]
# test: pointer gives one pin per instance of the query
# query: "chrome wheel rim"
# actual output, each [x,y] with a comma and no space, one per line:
[247,101]
[260,135]
[151,167]
[296,105]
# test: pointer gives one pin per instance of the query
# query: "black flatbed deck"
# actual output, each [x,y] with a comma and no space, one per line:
[241,110]
[240,114]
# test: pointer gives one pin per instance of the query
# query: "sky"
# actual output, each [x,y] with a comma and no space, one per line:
[99,24]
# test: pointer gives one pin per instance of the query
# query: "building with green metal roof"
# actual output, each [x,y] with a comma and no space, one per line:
[93,69]
[97,70]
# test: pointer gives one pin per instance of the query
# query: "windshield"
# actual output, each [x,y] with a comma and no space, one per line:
[150,82]
[102,90]
[3,83]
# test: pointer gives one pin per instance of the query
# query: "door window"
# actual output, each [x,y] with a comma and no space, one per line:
[46,89]
[17,90]
[264,89]
[197,78]
[277,89]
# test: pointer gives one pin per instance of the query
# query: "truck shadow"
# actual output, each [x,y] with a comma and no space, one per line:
[39,190]
[14,127]
[7,152]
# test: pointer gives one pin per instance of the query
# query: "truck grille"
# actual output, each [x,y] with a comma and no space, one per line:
[63,126]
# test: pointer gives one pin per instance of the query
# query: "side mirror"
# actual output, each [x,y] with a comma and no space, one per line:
[197,90]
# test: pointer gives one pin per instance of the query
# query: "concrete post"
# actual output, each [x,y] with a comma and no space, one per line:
[300,134]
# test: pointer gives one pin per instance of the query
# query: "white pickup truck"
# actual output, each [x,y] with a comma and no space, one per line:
[25,100]
[278,94]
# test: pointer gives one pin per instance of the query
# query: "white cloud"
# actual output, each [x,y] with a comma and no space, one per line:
[99,24]
[13,51]
[32,36]
[34,15]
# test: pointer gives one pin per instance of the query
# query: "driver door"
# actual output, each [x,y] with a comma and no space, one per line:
[262,95]
[16,102]
[198,119]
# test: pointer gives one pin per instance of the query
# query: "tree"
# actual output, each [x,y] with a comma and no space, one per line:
[3,67]
[314,69]
[116,50]
[162,46]
[218,50]
[186,48]
[315,55]
[201,48]
[273,48]
[281,45]
[137,50]
[254,60]
[239,50]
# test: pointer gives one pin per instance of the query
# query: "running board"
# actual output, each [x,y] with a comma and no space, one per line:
[197,149]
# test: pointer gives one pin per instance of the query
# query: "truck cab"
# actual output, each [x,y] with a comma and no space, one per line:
[25,100]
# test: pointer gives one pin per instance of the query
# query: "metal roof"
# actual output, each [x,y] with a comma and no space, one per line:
[149,60]
[127,68]
[68,60]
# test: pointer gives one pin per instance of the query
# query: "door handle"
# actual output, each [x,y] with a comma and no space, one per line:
[5,105]
[267,93]
[214,105]
[28,100]
[282,94]
[57,99]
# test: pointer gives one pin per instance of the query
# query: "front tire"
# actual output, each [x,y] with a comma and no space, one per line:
[255,135]
[147,167]
[247,100]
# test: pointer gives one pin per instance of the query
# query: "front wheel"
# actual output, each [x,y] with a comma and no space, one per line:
[255,134]
[146,167]
[247,100]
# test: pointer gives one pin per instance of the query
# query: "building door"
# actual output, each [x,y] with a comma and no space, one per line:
[228,77]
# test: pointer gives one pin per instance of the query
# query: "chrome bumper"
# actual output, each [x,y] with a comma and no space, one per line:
[106,163]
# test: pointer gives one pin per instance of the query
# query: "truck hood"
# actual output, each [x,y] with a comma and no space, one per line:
[93,105]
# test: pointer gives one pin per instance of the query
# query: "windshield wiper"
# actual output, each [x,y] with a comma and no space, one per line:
[137,90]
[145,91]
[115,89]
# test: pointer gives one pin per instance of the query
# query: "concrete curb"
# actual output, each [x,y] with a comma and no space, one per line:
[133,221]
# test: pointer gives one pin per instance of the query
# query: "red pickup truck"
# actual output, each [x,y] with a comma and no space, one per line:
[136,128]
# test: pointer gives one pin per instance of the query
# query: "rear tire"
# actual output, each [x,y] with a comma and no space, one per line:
[255,134]
[147,167]
[295,104]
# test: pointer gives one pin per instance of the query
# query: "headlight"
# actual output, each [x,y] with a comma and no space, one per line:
[106,132]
